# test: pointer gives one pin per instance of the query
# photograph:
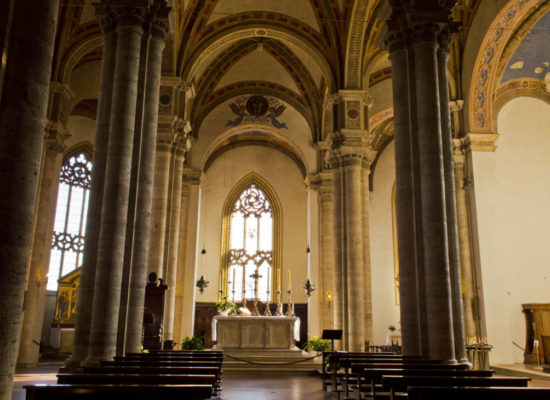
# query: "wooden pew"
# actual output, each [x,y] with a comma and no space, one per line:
[398,384]
[117,392]
[180,370]
[154,363]
[332,360]
[170,358]
[136,379]
[370,375]
[476,393]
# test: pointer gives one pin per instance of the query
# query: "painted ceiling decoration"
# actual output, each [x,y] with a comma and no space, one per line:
[264,62]
[257,110]
[531,58]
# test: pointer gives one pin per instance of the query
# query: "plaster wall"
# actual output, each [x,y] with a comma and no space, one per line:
[512,196]
[286,180]
[385,310]
[81,129]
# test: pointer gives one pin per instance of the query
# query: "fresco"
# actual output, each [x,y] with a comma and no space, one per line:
[532,57]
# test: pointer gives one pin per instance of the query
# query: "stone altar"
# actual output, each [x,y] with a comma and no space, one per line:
[255,332]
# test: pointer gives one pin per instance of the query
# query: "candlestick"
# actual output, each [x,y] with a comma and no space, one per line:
[290,309]
[279,311]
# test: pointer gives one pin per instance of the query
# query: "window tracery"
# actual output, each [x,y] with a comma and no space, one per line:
[70,217]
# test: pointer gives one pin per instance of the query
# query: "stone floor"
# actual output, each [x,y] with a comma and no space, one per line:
[243,387]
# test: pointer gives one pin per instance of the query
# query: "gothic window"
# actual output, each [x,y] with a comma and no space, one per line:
[251,241]
[251,244]
[70,217]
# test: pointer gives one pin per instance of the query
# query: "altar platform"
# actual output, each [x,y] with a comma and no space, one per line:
[256,332]
[261,344]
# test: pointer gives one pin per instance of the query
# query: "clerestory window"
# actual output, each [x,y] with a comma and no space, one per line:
[70,217]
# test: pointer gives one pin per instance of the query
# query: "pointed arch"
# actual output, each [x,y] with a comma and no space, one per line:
[252,179]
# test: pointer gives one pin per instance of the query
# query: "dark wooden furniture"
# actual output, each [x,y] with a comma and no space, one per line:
[476,393]
[136,379]
[153,312]
[537,324]
[398,384]
[117,392]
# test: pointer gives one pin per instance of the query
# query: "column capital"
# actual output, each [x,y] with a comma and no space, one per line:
[55,136]
[456,105]
[160,22]
[60,96]
[485,142]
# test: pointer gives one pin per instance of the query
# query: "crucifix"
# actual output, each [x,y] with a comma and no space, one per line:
[255,276]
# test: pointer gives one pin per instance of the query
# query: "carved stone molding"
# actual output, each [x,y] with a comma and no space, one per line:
[484,142]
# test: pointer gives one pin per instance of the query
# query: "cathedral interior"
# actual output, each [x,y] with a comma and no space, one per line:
[391,153]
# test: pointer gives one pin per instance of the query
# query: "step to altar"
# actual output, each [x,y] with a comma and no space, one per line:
[236,361]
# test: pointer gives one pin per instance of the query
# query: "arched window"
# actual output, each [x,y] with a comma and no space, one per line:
[70,217]
[251,240]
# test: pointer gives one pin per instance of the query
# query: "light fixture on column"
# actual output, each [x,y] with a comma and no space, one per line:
[329,298]
[308,287]
[202,284]
[308,249]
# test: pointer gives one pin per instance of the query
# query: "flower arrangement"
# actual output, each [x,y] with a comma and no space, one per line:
[225,305]
[317,344]
[192,343]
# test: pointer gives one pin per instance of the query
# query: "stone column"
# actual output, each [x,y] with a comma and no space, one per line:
[160,195]
[110,251]
[95,201]
[450,198]
[35,296]
[406,198]
[182,245]
[173,225]
[339,289]
[423,224]
[436,254]
[23,104]
[367,282]
[471,330]
[326,250]
[142,227]
[350,159]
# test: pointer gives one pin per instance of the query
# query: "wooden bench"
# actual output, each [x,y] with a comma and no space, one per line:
[160,363]
[171,358]
[117,392]
[369,378]
[157,370]
[331,375]
[136,379]
[476,393]
[397,384]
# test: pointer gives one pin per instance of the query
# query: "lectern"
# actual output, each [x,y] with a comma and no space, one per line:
[332,335]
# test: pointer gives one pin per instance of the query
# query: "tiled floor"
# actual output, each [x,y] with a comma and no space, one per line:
[235,387]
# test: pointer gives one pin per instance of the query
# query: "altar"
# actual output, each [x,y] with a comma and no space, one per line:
[255,332]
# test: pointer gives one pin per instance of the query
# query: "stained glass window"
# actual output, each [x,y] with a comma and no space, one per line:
[251,245]
[70,217]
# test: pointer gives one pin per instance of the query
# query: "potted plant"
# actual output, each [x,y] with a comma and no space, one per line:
[224,306]
[192,343]
[316,344]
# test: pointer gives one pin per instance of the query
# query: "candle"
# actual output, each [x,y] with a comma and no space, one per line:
[233,283]
[268,276]
[289,281]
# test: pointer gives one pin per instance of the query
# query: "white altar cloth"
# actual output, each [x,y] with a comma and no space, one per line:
[255,332]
